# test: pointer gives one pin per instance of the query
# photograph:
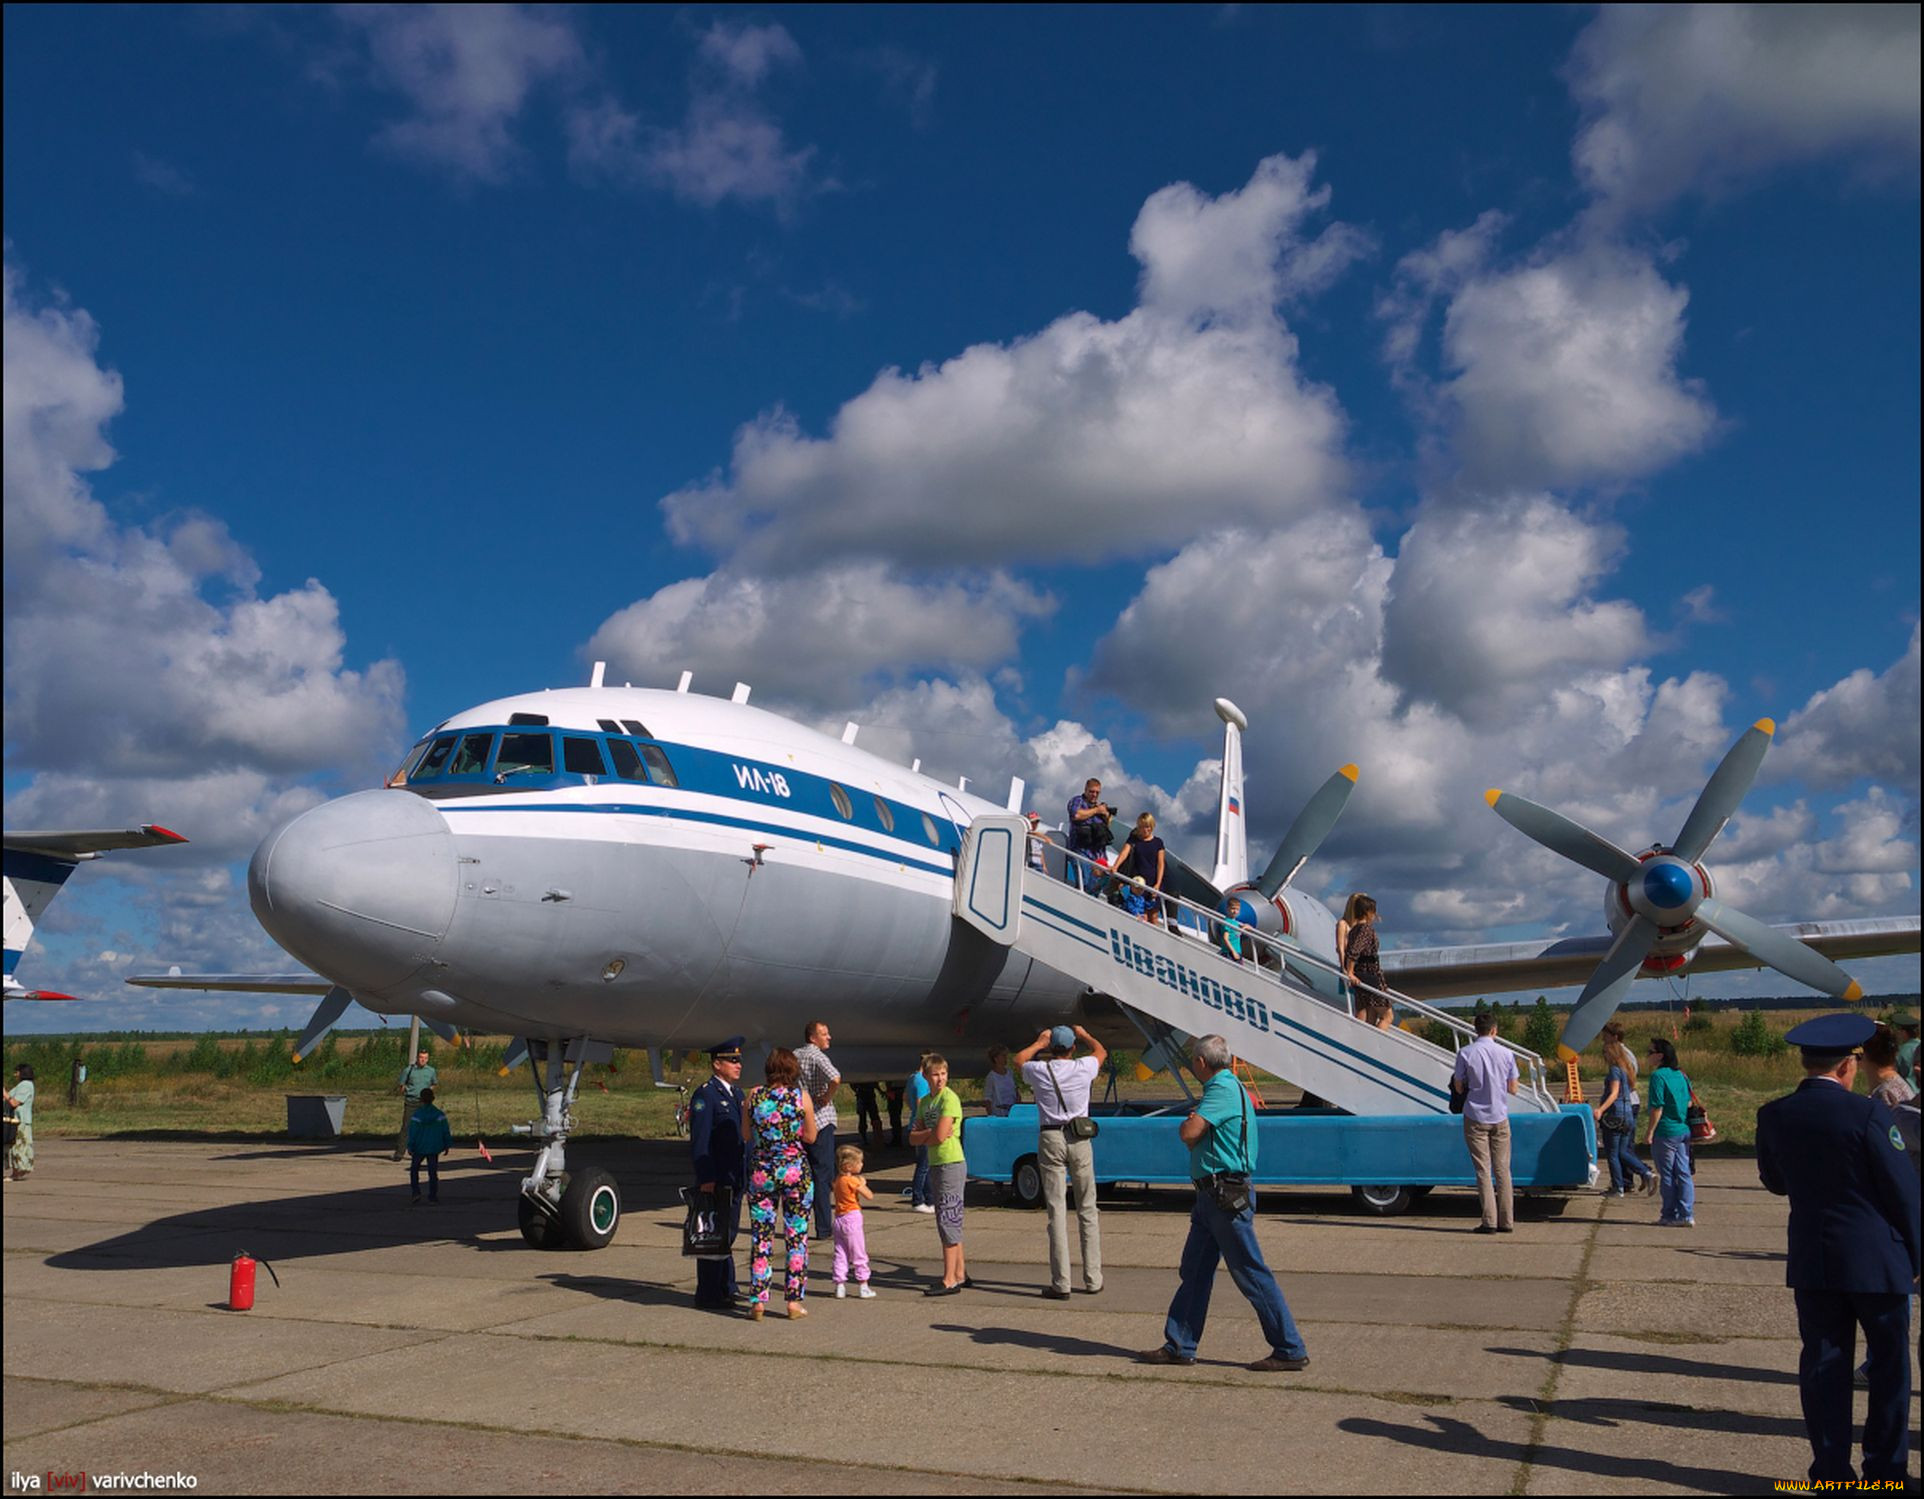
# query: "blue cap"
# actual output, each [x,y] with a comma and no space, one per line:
[1831,1036]
[1062,1038]
[723,1048]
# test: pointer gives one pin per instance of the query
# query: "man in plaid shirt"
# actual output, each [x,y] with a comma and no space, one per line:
[819,1081]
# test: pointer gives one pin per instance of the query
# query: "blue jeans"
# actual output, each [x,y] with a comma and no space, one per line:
[1084,876]
[919,1183]
[1216,1236]
[1672,1160]
[1620,1155]
[434,1175]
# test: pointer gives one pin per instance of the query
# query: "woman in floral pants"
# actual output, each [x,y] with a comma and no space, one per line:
[778,1124]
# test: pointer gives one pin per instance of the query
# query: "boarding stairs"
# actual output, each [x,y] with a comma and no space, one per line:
[1180,981]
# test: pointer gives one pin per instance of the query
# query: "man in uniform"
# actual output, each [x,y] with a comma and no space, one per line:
[1853,1247]
[416,1078]
[721,1164]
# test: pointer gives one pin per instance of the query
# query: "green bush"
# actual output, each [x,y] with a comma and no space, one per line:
[1698,1023]
[1541,1029]
[1751,1037]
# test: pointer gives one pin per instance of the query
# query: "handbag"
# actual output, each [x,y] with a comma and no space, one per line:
[1083,1128]
[704,1234]
[1702,1131]
[1229,1190]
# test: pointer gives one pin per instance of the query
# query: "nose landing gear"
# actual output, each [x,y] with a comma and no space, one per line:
[559,1208]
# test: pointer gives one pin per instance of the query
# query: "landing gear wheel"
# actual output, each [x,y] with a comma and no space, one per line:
[542,1230]
[590,1209]
[1383,1202]
[1026,1183]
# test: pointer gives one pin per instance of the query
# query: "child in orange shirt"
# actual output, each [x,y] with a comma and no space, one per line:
[851,1248]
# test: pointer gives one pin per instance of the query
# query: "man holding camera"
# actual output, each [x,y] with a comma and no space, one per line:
[1221,1137]
[1061,1083]
[1089,835]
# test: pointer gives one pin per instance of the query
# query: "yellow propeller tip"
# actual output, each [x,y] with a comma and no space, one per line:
[1491,795]
[1768,725]
[1350,772]
[1565,1055]
[1854,993]
[502,1071]
[1143,1074]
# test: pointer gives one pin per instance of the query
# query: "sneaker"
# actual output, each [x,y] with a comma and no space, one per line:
[1050,1293]
[863,1293]
[1166,1356]
[841,1291]
[1276,1365]
[923,1207]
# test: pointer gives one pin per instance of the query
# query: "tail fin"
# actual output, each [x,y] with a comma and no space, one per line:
[1232,832]
[32,881]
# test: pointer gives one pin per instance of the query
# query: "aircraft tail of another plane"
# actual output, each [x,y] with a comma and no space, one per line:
[1232,831]
[38,864]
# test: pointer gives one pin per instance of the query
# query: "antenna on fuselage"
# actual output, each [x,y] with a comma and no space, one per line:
[915,767]
[849,731]
[740,694]
[600,667]
[686,678]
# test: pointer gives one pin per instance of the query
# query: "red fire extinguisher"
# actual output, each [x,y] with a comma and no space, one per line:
[240,1281]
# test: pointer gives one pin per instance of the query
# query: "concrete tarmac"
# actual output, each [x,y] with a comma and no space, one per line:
[427,1348]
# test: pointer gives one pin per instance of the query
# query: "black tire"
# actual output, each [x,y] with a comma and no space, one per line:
[540,1228]
[1025,1184]
[1417,1194]
[590,1209]
[1382,1202]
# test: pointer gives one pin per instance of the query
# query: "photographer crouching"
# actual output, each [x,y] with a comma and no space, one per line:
[1221,1137]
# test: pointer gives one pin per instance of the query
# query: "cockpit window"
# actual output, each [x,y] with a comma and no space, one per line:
[582,757]
[472,758]
[437,757]
[662,773]
[525,754]
[627,762]
[608,726]
[407,766]
[637,728]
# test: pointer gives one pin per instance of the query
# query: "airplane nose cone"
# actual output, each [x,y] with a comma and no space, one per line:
[360,889]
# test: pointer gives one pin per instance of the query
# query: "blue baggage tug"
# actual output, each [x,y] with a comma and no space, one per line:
[1387,1162]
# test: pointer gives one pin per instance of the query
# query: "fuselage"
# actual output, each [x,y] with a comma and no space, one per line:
[654,868]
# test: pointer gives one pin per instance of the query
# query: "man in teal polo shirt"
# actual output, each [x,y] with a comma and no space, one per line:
[416,1078]
[1221,1137]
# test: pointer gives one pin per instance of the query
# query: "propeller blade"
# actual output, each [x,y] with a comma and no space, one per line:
[1307,832]
[513,1057]
[332,1006]
[1784,953]
[440,1028]
[1561,835]
[1723,791]
[1609,986]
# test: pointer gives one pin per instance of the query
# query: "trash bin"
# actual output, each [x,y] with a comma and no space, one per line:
[315,1116]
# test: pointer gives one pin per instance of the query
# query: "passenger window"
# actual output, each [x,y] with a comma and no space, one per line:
[627,762]
[472,758]
[437,757]
[662,773]
[582,757]
[840,798]
[882,811]
[525,754]
[928,830]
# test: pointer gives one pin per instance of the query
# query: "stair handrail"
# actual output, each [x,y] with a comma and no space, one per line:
[1528,1062]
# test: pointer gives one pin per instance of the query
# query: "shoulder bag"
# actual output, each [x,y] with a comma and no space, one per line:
[1229,1190]
[1082,1128]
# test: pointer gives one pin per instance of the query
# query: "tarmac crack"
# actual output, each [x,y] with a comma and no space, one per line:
[1545,1403]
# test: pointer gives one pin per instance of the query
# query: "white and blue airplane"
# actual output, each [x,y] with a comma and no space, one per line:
[37,865]
[612,866]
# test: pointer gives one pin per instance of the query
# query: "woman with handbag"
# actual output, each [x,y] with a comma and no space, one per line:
[1617,1125]
[778,1126]
[1668,1136]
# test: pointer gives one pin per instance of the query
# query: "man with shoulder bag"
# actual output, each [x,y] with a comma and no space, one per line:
[1061,1083]
[1221,1137]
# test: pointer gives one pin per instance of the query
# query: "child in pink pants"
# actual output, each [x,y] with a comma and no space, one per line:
[851,1249]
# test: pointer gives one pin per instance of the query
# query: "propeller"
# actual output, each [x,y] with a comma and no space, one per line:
[1307,832]
[332,1006]
[1666,892]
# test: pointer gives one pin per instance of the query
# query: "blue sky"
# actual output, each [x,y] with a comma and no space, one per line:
[1520,396]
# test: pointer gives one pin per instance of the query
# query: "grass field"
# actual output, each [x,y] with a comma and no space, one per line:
[235,1085]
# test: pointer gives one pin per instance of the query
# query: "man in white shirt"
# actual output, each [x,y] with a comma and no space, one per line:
[1060,1082]
[1486,1076]
[819,1080]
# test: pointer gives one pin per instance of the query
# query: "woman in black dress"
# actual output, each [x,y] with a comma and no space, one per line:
[1362,963]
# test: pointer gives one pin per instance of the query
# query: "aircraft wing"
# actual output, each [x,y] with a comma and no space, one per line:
[237,983]
[1506,967]
[79,845]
